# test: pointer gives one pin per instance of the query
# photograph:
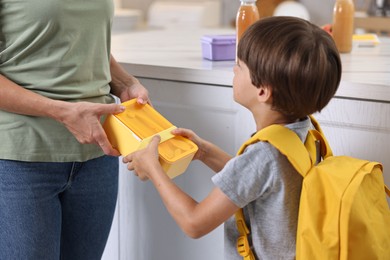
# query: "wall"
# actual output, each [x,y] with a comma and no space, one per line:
[320,10]
[144,4]
[229,7]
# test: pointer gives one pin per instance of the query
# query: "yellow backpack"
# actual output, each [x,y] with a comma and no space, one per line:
[343,211]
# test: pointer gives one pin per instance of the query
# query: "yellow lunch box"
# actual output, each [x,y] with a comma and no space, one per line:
[133,129]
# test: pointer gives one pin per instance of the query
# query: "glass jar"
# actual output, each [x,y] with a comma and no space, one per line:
[247,14]
[343,27]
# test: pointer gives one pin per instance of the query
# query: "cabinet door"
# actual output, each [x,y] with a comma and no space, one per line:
[146,230]
[360,129]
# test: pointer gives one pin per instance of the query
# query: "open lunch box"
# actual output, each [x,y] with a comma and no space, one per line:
[133,129]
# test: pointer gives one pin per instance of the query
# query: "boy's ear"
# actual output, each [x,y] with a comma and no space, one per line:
[264,94]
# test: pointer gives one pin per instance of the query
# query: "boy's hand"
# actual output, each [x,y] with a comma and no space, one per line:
[210,154]
[145,162]
[194,138]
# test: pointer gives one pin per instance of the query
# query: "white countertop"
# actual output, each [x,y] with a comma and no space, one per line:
[176,55]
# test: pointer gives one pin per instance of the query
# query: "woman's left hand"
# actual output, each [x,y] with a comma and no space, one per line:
[125,86]
[135,90]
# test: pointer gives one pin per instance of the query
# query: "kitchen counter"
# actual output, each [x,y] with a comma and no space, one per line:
[176,55]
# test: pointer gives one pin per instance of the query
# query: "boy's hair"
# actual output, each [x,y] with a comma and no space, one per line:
[298,60]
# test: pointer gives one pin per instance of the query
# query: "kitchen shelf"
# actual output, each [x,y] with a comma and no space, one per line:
[376,24]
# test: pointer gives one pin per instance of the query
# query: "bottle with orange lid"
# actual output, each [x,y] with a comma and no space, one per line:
[247,14]
[342,28]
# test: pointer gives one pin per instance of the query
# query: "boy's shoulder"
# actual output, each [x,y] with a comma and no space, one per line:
[301,128]
[263,153]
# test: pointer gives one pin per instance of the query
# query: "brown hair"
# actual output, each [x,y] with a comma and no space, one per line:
[296,59]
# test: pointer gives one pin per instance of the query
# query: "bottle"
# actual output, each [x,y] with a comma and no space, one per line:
[342,29]
[247,14]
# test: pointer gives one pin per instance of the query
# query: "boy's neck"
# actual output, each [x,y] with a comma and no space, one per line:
[271,117]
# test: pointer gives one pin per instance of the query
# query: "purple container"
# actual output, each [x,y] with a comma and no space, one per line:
[219,47]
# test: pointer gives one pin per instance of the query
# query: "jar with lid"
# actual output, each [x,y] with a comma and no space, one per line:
[247,14]
[343,26]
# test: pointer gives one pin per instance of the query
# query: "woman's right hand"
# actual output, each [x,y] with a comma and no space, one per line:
[82,119]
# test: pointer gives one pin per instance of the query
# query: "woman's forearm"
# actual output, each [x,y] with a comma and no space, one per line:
[82,119]
[120,79]
[126,86]
[16,99]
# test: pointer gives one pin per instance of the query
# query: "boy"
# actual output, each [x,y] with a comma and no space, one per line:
[286,69]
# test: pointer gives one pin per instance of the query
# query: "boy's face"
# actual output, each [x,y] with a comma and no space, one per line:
[244,92]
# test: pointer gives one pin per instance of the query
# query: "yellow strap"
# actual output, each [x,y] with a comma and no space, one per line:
[240,221]
[301,156]
[387,191]
[243,246]
[165,135]
[302,161]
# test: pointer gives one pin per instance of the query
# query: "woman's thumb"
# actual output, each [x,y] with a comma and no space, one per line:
[112,109]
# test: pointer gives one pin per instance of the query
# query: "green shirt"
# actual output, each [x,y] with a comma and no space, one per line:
[59,49]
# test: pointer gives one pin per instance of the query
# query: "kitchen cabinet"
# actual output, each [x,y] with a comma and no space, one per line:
[146,229]
[195,93]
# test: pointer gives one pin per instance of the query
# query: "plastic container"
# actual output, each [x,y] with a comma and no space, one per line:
[133,129]
[219,47]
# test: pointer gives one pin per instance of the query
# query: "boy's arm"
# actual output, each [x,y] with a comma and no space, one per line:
[195,219]
[214,157]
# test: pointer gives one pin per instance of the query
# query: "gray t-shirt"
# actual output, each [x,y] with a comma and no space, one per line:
[264,183]
[60,50]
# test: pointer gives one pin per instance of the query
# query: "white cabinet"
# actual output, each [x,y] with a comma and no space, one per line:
[146,230]
[358,128]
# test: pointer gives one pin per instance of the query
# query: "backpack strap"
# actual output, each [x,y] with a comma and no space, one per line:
[243,246]
[289,144]
[301,155]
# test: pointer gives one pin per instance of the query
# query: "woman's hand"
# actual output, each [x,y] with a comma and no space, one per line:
[134,90]
[145,162]
[126,86]
[82,119]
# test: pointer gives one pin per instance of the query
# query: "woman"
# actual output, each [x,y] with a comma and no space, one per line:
[58,171]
